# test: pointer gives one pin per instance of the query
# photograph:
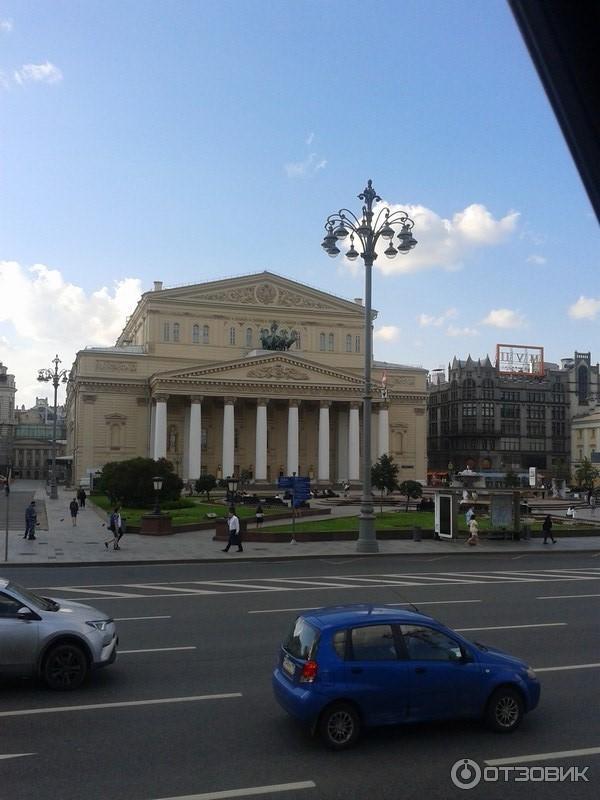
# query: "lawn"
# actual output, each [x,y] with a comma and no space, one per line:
[184,516]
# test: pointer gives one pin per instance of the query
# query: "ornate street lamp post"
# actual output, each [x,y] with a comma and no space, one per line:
[157,482]
[366,232]
[57,377]
[232,484]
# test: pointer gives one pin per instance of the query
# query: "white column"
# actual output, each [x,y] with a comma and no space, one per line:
[160,427]
[292,438]
[228,438]
[342,444]
[384,431]
[195,438]
[374,436]
[354,443]
[260,457]
[323,466]
[185,472]
[152,428]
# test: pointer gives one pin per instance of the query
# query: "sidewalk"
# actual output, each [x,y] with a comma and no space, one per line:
[64,544]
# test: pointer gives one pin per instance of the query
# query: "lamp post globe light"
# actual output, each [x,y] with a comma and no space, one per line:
[232,484]
[158,484]
[366,233]
[56,376]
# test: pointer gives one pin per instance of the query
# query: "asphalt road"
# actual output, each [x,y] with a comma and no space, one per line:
[187,711]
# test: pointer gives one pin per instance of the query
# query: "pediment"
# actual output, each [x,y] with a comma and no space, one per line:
[266,290]
[265,370]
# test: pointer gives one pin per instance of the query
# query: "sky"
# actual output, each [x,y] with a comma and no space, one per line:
[190,141]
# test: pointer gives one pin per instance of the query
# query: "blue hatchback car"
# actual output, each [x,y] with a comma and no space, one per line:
[344,668]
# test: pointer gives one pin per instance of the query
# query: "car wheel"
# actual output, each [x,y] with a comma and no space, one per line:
[65,667]
[505,710]
[339,726]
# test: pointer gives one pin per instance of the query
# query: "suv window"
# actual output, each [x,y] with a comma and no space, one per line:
[9,606]
[373,643]
[427,644]
[301,641]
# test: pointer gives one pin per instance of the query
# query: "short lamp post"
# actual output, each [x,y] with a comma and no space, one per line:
[232,484]
[366,233]
[450,472]
[158,484]
[57,377]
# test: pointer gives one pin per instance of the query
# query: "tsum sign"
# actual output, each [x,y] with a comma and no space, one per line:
[519,359]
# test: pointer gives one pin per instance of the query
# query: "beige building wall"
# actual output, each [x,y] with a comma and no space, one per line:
[585,438]
[202,342]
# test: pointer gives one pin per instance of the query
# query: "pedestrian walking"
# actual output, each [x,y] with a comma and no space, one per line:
[74,509]
[30,521]
[233,525]
[115,527]
[81,495]
[547,529]
[469,515]
[473,531]
[260,515]
[571,512]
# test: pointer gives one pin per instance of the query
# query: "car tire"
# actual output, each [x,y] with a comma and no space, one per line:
[505,710]
[65,667]
[339,726]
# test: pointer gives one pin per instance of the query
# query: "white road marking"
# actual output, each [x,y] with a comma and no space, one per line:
[566,667]
[564,596]
[14,755]
[154,650]
[98,592]
[513,627]
[303,584]
[312,608]
[440,580]
[499,577]
[586,751]
[131,619]
[241,585]
[27,712]
[250,791]
[166,588]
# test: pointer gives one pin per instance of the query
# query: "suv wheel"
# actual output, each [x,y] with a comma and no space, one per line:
[65,667]
[339,726]
[504,711]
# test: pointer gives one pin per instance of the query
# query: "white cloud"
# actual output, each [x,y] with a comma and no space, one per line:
[453,330]
[310,138]
[387,333]
[4,82]
[584,308]
[504,318]
[535,259]
[445,243]
[426,320]
[38,73]
[6,25]
[310,165]
[41,314]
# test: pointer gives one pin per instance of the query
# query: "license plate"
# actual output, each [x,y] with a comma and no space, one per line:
[288,666]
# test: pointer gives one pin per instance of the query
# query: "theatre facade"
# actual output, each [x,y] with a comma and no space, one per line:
[189,379]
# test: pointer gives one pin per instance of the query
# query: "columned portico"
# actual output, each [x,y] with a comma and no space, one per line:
[354,443]
[384,431]
[160,427]
[228,462]
[260,458]
[323,463]
[194,447]
[292,437]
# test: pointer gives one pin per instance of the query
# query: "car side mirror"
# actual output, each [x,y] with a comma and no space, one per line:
[465,656]
[26,613]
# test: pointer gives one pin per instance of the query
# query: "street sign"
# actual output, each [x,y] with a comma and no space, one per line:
[533,477]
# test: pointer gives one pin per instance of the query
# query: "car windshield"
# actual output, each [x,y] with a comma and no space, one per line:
[32,599]
[302,640]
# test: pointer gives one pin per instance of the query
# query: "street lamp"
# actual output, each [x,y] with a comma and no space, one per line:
[158,483]
[232,484]
[366,232]
[57,377]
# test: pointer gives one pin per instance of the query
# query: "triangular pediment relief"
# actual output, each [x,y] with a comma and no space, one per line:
[274,368]
[266,290]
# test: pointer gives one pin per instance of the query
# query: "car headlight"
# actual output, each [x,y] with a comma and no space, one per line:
[99,624]
[531,673]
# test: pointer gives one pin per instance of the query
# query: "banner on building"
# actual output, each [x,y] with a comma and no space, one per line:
[520,359]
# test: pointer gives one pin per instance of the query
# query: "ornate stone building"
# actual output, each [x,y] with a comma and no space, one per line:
[7,417]
[188,380]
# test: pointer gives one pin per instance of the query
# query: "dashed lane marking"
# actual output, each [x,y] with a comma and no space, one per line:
[312,608]
[132,619]
[566,667]
[513,627]
[6,756]
[249,791]
[585,751]
[28,712]
[564,596]
[156,650]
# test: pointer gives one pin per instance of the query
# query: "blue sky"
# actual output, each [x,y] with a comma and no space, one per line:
[187,141]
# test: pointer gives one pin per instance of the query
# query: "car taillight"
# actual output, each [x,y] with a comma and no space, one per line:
[309,672]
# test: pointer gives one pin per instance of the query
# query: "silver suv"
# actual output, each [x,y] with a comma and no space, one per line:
[57,640]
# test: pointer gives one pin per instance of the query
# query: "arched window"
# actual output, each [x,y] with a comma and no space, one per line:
[248,337]
[582,382]
[166,332]
[232,335]
[349,343]
[175,331]
[196,334]
[205,334]
[321,341]
[330,342]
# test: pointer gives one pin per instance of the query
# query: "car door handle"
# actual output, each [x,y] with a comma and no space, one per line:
[356,670]
[420,670]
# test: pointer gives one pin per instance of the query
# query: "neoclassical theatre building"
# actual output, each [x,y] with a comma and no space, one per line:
[188,379]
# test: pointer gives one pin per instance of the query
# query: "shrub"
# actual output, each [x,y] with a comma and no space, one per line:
[131,482]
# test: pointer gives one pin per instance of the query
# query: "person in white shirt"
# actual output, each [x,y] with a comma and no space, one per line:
[233,524]
[571,512]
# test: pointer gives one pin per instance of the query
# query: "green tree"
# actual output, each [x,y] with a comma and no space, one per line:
[585,474]
[131,482]
[384,475]
[205,484]
[411,490]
